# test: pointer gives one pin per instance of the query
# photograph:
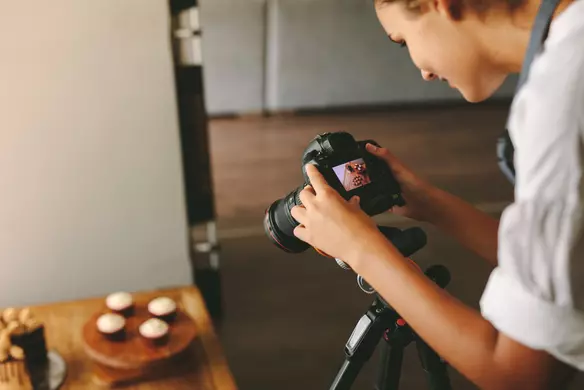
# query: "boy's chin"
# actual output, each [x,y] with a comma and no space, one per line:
[475,98]
[483,91]
[476,95]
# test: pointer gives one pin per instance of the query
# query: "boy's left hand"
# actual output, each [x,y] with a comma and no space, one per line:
[330,223]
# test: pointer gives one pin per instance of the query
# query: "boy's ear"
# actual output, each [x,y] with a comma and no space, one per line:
[452,9]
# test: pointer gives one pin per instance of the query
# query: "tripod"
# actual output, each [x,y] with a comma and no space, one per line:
[381,321]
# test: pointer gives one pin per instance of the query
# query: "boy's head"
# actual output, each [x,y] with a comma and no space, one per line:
[471,44]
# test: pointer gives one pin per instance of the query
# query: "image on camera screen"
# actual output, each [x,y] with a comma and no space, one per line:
[353,174]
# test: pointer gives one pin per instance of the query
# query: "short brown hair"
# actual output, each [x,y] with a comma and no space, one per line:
[457,6]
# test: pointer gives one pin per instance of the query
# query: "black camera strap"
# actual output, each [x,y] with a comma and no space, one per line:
[539,33]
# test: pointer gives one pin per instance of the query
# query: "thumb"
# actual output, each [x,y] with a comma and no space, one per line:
[354,201]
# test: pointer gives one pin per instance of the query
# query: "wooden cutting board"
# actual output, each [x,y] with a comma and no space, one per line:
[119,361]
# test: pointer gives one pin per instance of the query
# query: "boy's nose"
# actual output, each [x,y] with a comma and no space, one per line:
[428,76]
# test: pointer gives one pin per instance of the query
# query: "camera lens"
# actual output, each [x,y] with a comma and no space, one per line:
[279,224]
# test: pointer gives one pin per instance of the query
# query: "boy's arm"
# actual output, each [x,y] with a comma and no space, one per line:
[472,227]
[456,332]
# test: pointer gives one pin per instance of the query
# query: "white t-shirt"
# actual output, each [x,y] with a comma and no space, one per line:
[536,294]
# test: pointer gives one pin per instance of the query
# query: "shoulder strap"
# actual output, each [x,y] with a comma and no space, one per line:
[539,33]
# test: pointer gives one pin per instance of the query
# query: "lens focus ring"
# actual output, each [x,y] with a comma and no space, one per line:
[297,200]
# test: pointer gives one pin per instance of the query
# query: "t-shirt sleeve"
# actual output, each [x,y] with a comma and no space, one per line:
[536,294]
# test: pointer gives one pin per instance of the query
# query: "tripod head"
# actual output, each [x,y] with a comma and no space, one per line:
[407,242]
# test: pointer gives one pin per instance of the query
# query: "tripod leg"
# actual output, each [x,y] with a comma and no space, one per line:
[390,367]
[347,375]
[361,344]
[434,366]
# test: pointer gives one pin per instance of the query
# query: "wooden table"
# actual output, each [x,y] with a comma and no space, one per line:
[64,322]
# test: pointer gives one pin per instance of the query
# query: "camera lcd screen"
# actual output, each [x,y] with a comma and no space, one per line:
[353,174]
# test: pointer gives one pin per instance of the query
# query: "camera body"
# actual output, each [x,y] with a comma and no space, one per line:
[351,170]
[348,168]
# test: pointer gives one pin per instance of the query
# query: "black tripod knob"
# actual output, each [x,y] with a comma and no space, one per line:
[439,274]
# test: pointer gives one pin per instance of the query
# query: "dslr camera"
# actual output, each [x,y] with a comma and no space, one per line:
[347,167]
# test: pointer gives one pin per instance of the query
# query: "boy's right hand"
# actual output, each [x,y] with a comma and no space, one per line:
[416,192]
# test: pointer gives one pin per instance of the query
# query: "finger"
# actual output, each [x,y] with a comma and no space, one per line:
[380,152]
[316,179]
[301,233]
[355,201]
[307,194]
[299,214]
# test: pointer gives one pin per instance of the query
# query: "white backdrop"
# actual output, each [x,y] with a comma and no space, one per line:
[91,188]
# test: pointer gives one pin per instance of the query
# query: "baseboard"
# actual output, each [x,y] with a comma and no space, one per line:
[364,108]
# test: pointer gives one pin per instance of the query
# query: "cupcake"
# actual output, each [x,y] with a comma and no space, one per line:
[154,331]
[112,326]
[163,308]
[120,303]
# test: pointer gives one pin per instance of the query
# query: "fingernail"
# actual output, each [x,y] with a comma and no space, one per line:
[372,147]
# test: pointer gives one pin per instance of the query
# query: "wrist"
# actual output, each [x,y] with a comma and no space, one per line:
[374,249]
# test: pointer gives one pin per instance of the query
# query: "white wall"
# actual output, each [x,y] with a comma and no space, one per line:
[331,53]
[233,54]
[91,192]
[307,54]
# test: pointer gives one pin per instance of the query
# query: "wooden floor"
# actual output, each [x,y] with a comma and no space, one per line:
[289,316]
[256,161]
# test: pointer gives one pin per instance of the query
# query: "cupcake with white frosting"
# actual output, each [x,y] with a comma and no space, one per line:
[154,331]
[112,326]
[163,308]
[121,303]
